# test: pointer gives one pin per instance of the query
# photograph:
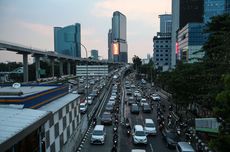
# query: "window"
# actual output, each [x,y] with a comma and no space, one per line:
[161,46]
[166,63]
[161,59]
[166,50]
[157,46]
[157,50]
[157,59]
[157,54]
[161,55]
[166,46]
[166,54]
[157,41]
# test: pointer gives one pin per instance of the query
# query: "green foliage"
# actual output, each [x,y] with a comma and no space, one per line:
[136,62]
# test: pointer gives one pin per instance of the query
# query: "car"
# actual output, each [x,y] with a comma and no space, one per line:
[138,150]
[131,100]
[139,136]
[81,80]
[98,135]
[146,108]
[184,147]
[87,86]
[89,99]
[155,97]
[170,137]
[92,82]
[106,118]
[136,93]
[83,107]
[109,107]
[149,127]
[112,100]
[143,100]
[135,109]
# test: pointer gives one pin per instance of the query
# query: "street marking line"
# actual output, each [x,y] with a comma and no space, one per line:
[151,147]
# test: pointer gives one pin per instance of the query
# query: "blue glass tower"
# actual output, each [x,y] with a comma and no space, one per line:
[67,40]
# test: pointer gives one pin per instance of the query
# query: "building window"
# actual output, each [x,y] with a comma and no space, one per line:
[166,54]
[157,50]
[157,46]
[157,59]
[161,54]
[157,41]
[166,63]
[161,59]
[157,54]
[166,50]
[166,46]
[161,46]
[166,59]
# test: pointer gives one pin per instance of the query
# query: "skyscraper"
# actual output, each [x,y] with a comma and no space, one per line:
[119,42]
[67,40]
[165,23]
[183,12]
[214,8]
[94,54]
[110,55]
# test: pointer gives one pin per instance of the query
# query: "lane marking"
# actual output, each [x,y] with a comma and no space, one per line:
[151,147]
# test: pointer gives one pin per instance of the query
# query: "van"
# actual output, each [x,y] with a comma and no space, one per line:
[98,135]
[149,127]
[139,136]
[83,107]
[184,147]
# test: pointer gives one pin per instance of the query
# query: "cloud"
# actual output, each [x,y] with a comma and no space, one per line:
[45,30]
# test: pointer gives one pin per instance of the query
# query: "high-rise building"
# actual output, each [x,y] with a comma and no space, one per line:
[227,6]
[190,42]
[183,12]
[67,40]
[94,54]
[165,23]
[161,51]
[110,40]
[119,42]
[214,8]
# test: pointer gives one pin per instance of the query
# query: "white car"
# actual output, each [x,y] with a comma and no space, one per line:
[83,107]
[139,136]
[149,127]
[143,100]
[155,97]
[98,135]
[90,100]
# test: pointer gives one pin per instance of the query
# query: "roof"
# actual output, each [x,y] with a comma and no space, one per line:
[138,127]
[59,103]
[99,127]
[16,123]
[185,146]
[26,90]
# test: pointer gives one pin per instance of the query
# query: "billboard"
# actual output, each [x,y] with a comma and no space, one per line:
[207,125]
[115,48]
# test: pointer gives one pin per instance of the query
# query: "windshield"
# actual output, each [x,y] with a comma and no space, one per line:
[82,106]
[140,133]
[150,125]
[97,132]
[106,116]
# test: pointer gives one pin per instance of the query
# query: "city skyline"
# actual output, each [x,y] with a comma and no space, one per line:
[31,23]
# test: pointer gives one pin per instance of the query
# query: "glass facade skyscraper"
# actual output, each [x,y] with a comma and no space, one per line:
[94,54]
[67,40]
[213,8]
[119,37]
[165,23]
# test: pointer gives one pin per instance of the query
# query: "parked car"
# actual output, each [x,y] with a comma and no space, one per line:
[98,135]
[170,137]
[146,108]
[106,118]
[139,136]
[135,108]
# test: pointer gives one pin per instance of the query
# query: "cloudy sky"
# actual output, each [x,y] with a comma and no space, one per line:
[31,23]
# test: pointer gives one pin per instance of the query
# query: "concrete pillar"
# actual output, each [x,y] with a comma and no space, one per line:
[37,67]
[25,68]
[52,67]
[68,68]
[60,67]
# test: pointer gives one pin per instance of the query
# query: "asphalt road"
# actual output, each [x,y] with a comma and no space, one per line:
[125,144]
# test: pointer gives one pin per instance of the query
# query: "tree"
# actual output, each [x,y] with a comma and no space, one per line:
[136,62]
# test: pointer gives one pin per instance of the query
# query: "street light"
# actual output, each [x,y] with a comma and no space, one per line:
[86,53]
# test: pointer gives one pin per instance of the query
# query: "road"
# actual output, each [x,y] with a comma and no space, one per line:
[125,144]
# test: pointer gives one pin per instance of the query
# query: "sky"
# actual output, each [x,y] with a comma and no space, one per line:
[31,23]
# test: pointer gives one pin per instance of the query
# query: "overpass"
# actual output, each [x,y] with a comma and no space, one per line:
[52,55]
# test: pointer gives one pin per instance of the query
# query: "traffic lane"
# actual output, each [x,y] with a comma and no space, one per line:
[155,143]
[106,147]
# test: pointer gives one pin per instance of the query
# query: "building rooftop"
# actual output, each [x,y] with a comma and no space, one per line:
[9,91]
[59,103]
[17,122]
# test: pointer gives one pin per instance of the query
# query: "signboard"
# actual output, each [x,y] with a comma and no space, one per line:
[207,125]
[115,48]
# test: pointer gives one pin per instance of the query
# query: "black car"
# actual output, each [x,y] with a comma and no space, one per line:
[170,137]
[106,118]
[146,108]
[135,109]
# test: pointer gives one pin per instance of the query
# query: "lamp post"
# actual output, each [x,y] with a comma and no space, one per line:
[86,53]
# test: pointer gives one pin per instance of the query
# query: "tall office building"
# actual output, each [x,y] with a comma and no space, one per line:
[110,40]
[119,42]
[67,40]
[94,54]
[227,6]
[165,23]
[183,12]
[214,8]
